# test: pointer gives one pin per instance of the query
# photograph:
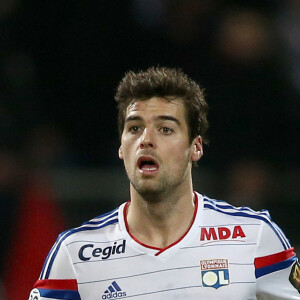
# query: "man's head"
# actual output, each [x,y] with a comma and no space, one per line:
[169,84]
[162,116]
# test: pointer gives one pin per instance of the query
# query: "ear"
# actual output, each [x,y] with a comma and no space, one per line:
[121,153]
[197,150]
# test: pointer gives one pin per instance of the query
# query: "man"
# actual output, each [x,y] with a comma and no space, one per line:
[168,242]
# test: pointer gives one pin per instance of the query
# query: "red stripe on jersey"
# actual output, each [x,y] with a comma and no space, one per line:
[265,261]
[57,284]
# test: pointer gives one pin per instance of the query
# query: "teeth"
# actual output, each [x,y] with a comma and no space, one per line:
[149,169]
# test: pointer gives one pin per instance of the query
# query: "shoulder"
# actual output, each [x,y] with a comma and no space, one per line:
[224,208]
[97,225]
[101,227]
[267,231]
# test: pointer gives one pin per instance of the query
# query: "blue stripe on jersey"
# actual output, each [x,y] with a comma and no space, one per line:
[92,222]
[106,214]
[111,219]
[223,207]
[60,294]
[275,267]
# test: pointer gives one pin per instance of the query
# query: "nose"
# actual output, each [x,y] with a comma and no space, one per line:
[147,139]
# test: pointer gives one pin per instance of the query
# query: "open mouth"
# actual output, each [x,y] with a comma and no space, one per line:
[147,164]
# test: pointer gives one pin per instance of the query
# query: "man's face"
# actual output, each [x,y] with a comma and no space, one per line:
[155,146]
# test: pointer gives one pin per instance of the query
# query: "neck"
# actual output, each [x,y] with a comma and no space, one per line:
[161,221]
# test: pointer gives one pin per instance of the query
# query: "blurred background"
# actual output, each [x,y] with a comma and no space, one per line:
[60,63]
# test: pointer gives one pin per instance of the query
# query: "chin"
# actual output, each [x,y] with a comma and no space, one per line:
[150,187]
[147,190]
[151,192]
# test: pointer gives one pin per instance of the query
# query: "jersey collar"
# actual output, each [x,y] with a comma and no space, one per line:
[159,252]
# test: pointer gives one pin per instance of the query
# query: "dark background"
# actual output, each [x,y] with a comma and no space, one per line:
[60,64]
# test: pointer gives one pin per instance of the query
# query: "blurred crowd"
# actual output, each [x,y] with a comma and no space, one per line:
[60,62]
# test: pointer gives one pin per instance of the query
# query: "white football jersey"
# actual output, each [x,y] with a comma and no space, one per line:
[227,253]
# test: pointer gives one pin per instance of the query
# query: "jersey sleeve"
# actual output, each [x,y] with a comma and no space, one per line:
[276,265]
[58,278]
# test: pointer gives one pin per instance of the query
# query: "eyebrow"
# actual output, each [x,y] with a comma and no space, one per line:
[168,118]
[163,117]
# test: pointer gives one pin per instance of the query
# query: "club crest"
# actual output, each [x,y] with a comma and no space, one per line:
[214,273]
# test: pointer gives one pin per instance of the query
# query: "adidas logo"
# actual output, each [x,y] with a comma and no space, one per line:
[113,292]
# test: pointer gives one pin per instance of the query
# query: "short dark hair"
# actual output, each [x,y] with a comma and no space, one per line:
[165,83]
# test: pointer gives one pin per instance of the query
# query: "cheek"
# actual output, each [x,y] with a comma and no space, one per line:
[178,154]
[127,151]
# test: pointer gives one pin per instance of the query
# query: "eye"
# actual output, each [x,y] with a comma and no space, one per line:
[166,130]
[134,129]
